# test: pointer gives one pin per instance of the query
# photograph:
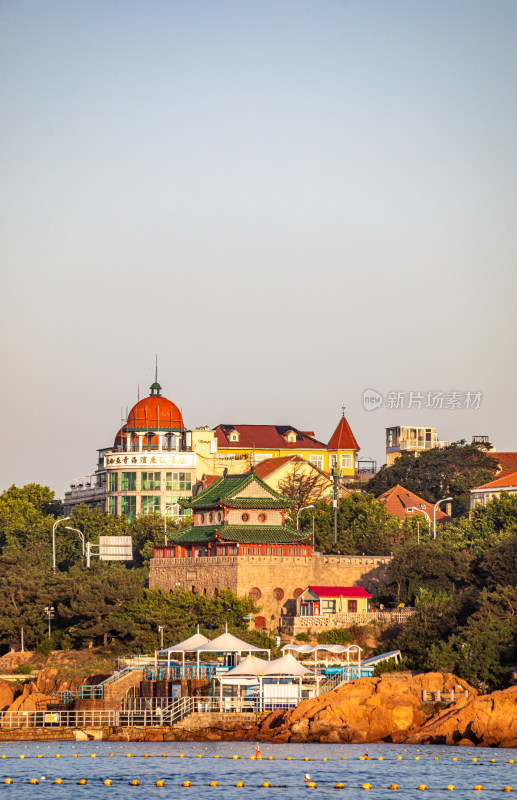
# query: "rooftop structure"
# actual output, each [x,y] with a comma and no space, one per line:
[482,495]
[400,502]
[410,439]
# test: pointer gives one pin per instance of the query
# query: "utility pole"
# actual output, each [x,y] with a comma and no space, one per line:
[335,501]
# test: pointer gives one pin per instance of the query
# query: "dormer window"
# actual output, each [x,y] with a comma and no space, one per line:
[290,437]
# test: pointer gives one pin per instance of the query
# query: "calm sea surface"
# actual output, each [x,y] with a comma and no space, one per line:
[435,767]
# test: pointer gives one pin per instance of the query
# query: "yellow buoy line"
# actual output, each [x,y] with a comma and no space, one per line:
[241,784]
[386,759]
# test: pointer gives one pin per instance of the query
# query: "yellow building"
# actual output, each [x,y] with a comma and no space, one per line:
[240,447]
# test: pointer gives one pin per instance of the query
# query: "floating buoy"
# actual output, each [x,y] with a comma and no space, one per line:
[266,784]
[422,787]
[399,758]
[40,755]
[200,755]
[325,758]
[380,758]
[493,760]
[270,758]
[8,780]
[128,755]
[58,780]
[134,783]
[366,786]
[34,780]
[235,756]
[160,783]
[417,758]
[240,784]
[478,787]
[289,758]
[312,785]
[217,756]
[110,755]
[343,758]
[107,782]
[306,758]
[146,755]
[507,789]
[394,786]
[474,759]
[450,787]
[94,755]
[75,755]
[213,783]
[186,784]
[164,755]
[58,755]
[339,786]
[510,760]
[436,758]
[22,755]
[82,781]
[182,755]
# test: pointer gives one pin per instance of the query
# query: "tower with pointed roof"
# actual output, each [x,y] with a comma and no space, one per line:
[343,449]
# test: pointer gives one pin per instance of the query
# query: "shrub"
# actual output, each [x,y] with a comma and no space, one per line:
[342,636]
[303,637]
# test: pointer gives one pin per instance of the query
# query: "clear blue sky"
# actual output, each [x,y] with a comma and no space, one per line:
[290,202]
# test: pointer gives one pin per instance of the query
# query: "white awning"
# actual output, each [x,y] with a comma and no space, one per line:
[286,665]
[251,665]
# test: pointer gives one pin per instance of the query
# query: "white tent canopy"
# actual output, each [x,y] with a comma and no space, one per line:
[326,648]
[189,645]
[228,643]
[251,665]
[285,665]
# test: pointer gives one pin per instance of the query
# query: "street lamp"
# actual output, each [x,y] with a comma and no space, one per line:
[81,534]
[304,508]
[421,511]
[54,526]
[49,612]
[160,630]
[443,500]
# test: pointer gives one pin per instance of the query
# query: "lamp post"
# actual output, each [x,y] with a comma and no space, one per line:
[49,613]
[421,511]
[81,534]
[443,500]
[304,508]
[160,631]
[54,526]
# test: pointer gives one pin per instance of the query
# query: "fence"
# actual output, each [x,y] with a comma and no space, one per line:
[398,616]
[169,712]
[444,697]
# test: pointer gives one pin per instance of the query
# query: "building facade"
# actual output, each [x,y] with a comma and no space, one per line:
[482,495]
[150,467]
[409,439]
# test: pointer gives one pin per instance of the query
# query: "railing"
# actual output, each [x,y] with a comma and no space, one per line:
[87,691]
[444,697]
[178,672]
[172,712]
[340,620]
[138,661]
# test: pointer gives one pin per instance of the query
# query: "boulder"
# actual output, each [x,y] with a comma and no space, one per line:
[6,695]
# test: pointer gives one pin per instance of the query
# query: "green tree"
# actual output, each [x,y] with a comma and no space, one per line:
[440,472]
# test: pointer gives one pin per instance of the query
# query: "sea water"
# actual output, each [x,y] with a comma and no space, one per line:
[285,767]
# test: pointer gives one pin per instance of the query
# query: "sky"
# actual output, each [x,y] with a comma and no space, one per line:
[290,202]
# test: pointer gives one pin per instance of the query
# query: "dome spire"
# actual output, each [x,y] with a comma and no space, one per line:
[156,389]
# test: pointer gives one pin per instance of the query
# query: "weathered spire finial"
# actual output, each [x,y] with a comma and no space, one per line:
[156,389]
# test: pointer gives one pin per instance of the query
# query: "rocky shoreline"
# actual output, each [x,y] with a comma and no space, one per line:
[401,709]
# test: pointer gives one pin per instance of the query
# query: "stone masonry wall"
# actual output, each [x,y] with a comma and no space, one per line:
[278,578]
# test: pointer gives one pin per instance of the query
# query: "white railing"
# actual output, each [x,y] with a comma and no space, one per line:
[341,620]
[165,711]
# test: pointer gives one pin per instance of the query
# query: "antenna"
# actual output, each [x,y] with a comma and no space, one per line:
[156,370]
[343,409]
[138,392]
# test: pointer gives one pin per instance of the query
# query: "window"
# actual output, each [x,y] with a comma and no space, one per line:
[149,505]
[317,461]
[333,461]
[174,510]
[347,461]
[128,507]
[128,482]
[178,481]
[113,482]
[279,551]
[112,504]
[255,593]
[151,482]
[245,517]
[278,594]
[352,606]
[297,593]
[262,517]
[328,606]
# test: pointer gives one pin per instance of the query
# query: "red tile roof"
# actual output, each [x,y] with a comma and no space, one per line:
[343,438]
[507,462]
[510,479]
[397,500]
[265,436]
[340,591]
[266,468]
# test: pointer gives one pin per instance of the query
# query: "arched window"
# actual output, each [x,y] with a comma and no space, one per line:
[262,517]
[245,517]
[297,593]
[278,594]
[255,593]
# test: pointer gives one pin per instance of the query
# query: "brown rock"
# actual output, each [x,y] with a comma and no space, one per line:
[6,695]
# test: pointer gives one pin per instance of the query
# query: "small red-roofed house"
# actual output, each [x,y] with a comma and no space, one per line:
[402,503]
[482,495]
[321,600]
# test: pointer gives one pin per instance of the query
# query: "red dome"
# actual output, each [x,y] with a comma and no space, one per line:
[154,412]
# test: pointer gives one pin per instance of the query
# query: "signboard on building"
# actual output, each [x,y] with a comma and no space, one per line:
[115,548]
[146,458]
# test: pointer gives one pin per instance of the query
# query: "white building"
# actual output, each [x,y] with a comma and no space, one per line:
[149,467]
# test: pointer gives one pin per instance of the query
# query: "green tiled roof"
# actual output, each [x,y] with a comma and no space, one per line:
[224,489]
[253,534]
